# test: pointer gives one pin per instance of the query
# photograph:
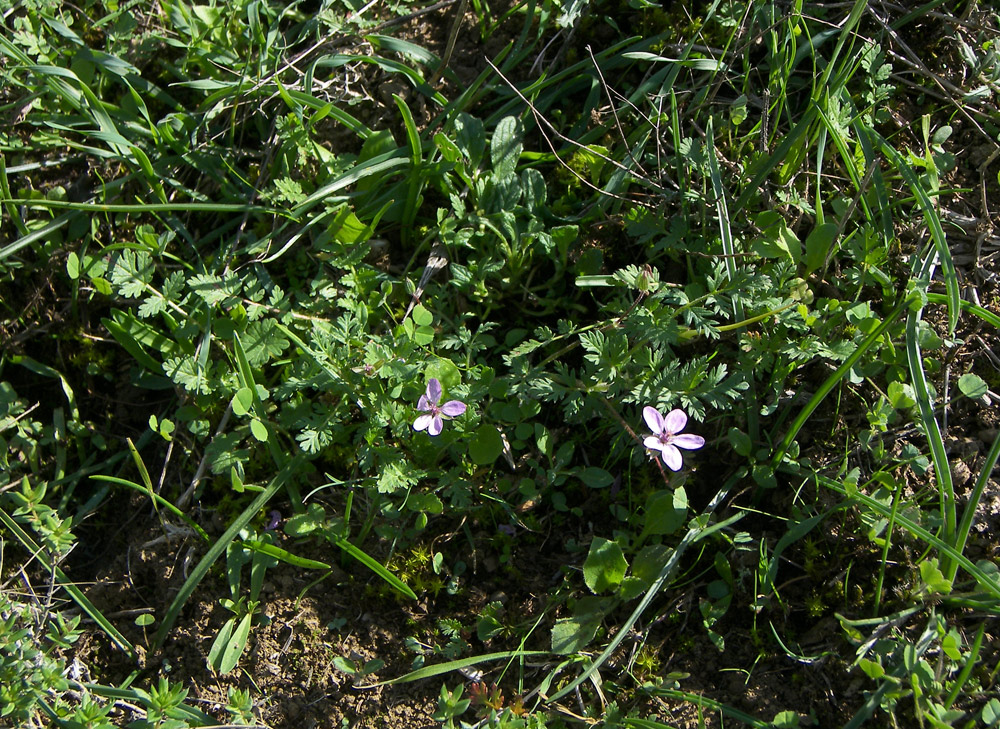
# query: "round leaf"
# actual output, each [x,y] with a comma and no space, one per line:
[73,266]
[258,430]
[422,316]
[486,445]
[445,372]
[605,566]
[242,401]
[972,386]
[665,511]
[570,635]
[596,478]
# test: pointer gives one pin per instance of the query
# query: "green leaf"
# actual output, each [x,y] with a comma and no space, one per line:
[187,373]
[421,335]
[570,635]
[218,648]
[872,669]
[777,240]
[371,564]
[900,396]
[818,244]
[421,316]
[344,665]
[785,720]
[444,371]
[397,474]
[214,289]
[242,401]
[605,565]
[263,341]
[347,229]
[665,512]
[972,386]
[505,148]
[932,576]
[300,525]
[132,272]
[425,502]
[740,441]
[991,712]
[596,478]
[284,555]
[485,445]
[470,138]
[235,645]
[73,265]
[258,430]
[646,565]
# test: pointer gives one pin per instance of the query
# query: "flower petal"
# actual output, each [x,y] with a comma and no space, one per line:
[453,408]
[434,390]
[688,440]
[672,457]
[436,425]
[653,443]
[424,404]
[654,421]
[675,421]
[423,422]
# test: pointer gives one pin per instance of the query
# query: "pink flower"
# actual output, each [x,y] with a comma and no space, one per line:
[666,438]
[433,421]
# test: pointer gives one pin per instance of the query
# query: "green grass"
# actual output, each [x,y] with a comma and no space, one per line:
[221,234]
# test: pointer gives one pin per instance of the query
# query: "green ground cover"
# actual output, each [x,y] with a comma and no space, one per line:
[527,364]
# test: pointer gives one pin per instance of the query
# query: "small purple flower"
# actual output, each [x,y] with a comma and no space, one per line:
[274,522]
[665,438]
[432,422]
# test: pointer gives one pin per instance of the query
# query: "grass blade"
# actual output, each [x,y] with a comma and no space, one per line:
[217,549]
[833,379]
[373,564]
[440,668]
[921,391]
[948,272]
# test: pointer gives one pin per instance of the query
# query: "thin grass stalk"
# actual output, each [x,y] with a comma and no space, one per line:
[441,668]
[935,441]
[702,703]
[833,379]
[6,197]
[984,314]
[885,549]
[969,512]
[414,182]
[985,581]
[933,220]
[729,249]
[157,499]
[970,663]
